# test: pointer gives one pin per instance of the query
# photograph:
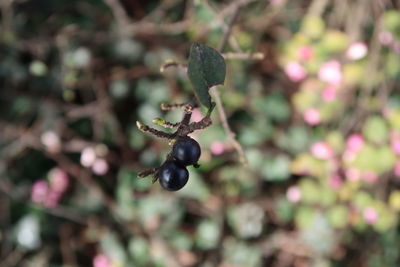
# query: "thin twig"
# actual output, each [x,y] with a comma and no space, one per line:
[228,31]
[244,56]
[231,135]
[216,96]
[119,13]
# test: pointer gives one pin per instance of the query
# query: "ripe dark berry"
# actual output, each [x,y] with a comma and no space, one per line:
[186,151]
[172,176]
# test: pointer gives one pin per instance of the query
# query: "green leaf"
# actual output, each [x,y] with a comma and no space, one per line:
[208,234]
[206,68]
[375,130]
[338,216]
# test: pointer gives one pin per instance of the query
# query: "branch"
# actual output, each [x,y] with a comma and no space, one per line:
[244,56]
[215,93]
[231,135]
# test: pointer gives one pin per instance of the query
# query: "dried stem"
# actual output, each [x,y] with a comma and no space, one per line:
[148,172]
[148,129]
[185,127]
[244,56]
[215,93]
[231,135]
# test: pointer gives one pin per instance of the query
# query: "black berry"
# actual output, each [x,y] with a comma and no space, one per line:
[172,176]
[186,151]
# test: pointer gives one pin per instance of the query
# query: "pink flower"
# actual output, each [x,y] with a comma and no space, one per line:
[305,52]
[357,51]
[335,181]
[329,93]
[370,177]
[397,169]
[355,142]
[312,116]
[396,146]
[370,215]
[100,166]
[58,180]
[51,141]
[101,260]
[330,72]
[88,156]
[217,148]
[386,38]
[353,174]
[52,199]
[293,194]
[295,71]
[322,150]
[396,47]
[39,191]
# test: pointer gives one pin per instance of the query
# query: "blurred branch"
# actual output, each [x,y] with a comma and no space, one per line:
[216,95]
[7,15]
[14,257]
[231,135]
[228,30]
[119,13]
[317,7]
[244,56]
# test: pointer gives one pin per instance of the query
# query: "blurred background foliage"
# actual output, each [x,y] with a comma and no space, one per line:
[318,118]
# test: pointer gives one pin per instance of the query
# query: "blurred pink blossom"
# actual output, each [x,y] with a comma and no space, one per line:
[335,181]
[295,71]
[293,194]
[101,260]
[39,191]
[305,52]
[312,116]
[330,72]
[322,150]
[88,156]
[386,38]
[397,169]
[349,155]
[51,141]
[355,142]
[100,166]
[196,115]
[369,177]
[370,215]
[396,47]
[353,174]
[217,148]
[52,199]
[329,93]
[357,51]
[396,146]
[58,180]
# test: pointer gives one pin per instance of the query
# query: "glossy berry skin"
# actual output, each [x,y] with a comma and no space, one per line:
[186,151]
[172,176]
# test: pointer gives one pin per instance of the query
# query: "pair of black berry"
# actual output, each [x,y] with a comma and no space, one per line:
[173,174]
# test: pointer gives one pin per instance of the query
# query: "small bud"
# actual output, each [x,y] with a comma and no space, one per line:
[164,106]
[172,142]
[159,121]
[141,126]
[168,63]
